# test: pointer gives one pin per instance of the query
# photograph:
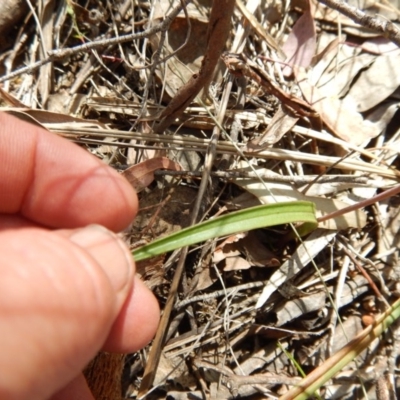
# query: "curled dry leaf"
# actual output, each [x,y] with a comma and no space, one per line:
[225,249]
[236,263]
[142,175]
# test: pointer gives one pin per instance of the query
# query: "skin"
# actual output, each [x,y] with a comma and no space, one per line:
[68,287]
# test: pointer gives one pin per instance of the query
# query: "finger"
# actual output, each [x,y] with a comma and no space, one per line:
[16,221]
[55,183]
[58,300]
[126,335]
[75,390]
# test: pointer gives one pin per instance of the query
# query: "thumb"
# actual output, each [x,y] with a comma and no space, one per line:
[59,297]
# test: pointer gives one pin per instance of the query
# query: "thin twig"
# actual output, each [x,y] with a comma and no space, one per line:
[156,60]
[386,28]
[299,180]
[60,54]
[381,196]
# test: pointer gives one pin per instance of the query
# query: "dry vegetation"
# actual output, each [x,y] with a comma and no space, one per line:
[137,83]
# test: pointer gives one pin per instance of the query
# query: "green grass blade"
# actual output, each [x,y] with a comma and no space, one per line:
[239,221]
[321,375]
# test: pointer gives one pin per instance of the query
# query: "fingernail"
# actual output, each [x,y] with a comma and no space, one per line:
[109,251]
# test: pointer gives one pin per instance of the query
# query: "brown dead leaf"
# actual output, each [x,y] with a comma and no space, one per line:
[243,251]
[301,43]
[217,34]
[142,175]
[328,47]
[66,103]
[339,116]
[335,71]
[163,211]
[205,277]
[187,60]
[224,249]
[174,369]
[236,263]
[281,123]
[341,84]
[255,248]
[229,252]
[382,78]
[151,271]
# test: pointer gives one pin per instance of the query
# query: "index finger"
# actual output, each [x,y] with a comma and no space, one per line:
[56,183]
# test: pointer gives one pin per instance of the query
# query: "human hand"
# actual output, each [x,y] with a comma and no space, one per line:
[66,290]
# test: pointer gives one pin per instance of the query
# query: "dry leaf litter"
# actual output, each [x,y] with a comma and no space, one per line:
[251,305]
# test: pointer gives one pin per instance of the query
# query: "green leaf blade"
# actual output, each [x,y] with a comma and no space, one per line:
[239,221]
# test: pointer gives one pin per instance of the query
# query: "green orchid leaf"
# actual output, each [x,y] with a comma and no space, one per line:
[239,221]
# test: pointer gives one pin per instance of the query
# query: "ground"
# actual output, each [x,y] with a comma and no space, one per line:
[302,106]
